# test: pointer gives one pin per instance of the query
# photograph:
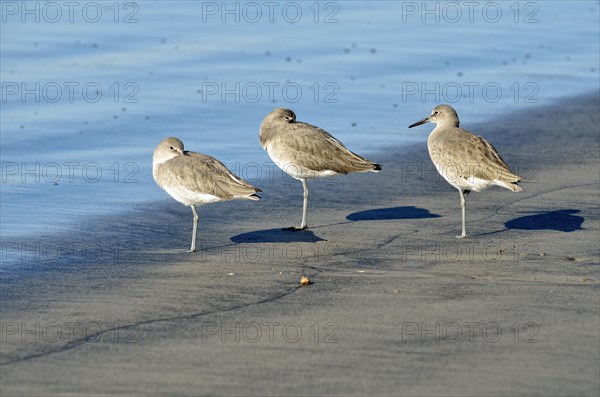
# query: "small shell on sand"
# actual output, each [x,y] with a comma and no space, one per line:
[304,280]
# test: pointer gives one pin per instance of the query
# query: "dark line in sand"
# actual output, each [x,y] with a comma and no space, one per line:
[82,341]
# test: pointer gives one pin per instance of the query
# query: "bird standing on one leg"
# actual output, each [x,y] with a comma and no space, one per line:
[304,151]
[194,178]
[467,161]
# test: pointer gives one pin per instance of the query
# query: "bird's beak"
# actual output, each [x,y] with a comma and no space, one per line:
[425,120]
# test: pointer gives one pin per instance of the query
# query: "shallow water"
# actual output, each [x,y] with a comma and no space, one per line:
[89,89]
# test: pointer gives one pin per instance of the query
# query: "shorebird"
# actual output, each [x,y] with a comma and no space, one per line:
[194,179]
[467,161]
[304,151]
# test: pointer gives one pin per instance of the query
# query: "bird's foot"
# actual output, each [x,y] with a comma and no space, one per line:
[295,228]
[462,236]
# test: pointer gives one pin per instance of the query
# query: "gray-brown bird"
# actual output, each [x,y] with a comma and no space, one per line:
[194,178]
[304,151]
[467,161]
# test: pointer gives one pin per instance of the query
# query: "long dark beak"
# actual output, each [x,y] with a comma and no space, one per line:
[425,120]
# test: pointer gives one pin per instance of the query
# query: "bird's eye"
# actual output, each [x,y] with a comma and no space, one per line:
[171,147]
[436,112]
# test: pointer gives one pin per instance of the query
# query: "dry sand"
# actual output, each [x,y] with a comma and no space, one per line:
[397,306]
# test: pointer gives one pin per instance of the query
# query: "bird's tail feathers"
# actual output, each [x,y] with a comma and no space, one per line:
[510,185]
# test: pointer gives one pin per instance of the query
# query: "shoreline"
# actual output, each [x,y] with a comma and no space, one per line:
[408,149]
[278,175]
[382,256]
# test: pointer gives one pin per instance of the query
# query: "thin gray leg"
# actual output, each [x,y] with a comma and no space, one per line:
[193,249]
[305,206]
[462,205]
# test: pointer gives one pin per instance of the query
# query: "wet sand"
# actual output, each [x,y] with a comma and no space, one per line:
[397,306]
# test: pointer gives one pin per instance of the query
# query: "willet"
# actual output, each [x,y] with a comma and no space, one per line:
[467,161]
[304,151]
[194,178]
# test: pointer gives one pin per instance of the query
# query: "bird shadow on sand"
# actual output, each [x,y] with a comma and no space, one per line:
[381,214]
[277,236]
[559,220]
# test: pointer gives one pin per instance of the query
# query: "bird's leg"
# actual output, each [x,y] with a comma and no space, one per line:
[305,205]
[462,205]
[303,226]
[193,249]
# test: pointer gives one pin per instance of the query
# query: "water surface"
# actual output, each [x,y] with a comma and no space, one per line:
[87,96]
